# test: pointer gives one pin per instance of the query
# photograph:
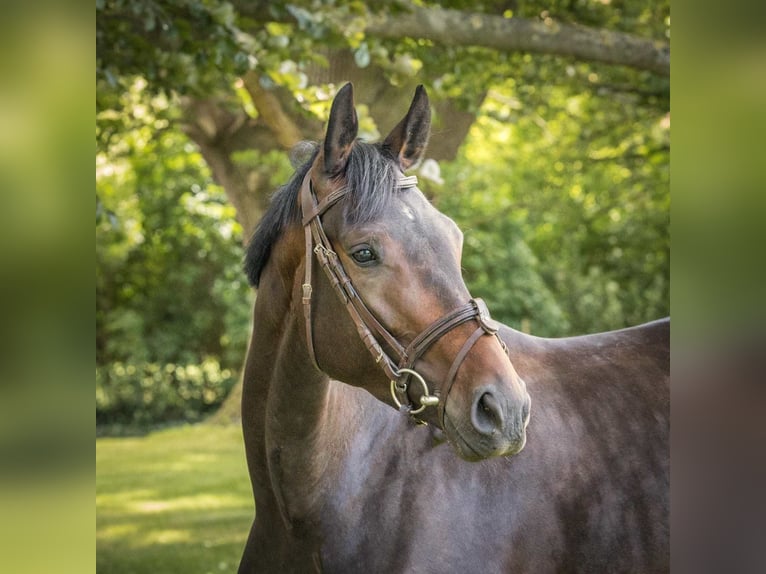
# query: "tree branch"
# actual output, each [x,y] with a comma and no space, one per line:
[212,127]
[463,28]
[270,110]
[459,28]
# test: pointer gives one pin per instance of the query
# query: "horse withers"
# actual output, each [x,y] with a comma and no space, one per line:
[386,414]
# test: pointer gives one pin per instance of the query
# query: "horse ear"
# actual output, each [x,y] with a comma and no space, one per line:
[341,131]
[407,141]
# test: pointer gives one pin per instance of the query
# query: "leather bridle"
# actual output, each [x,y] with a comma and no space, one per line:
[369,327]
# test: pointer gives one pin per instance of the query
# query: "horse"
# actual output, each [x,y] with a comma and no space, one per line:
[391,425]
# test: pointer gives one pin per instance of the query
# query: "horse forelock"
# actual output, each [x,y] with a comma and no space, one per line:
[371,177]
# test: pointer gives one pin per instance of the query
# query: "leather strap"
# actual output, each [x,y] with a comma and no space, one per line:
[306,299]
[435,331]
[317,244]
[452,374]
[342,286]
[317,209]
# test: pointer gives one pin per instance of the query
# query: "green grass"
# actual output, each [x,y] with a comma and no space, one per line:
[176,500]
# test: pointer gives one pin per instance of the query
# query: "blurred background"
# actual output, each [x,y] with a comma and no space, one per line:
[550,148]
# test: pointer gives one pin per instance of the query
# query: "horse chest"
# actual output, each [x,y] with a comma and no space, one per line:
[391,511]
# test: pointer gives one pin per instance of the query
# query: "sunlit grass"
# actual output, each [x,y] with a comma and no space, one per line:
[177,500]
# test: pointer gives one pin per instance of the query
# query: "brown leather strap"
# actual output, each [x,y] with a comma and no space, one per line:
[338,276]
[318,244]
[373,322]
[318,209]
[307,203]
[339,280]
[306,299]
[452,374]
[487,326]
[435,331]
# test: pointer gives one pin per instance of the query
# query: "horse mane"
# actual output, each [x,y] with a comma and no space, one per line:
[371,177]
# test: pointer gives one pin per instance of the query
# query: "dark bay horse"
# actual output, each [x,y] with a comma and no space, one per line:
[361,307]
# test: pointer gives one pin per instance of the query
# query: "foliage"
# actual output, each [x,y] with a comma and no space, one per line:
[150,393]
[565,207]
[160,41]
[201,46]
[498,265]
[561,187]
[168,286]
[178,500]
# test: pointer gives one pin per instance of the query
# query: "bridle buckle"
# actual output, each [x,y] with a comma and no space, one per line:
[486,322]
[307,290]
[426,399]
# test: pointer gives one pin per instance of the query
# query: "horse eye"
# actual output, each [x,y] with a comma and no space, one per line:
[364,255]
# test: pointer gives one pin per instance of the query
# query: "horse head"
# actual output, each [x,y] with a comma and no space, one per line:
[398,275]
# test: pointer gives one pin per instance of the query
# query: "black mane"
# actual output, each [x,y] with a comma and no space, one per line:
[371,176]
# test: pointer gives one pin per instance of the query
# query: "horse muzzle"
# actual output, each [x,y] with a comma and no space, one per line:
[492,422]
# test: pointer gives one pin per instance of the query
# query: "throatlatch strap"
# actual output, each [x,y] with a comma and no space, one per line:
[307,292]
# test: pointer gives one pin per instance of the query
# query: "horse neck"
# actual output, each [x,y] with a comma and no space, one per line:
[294,417]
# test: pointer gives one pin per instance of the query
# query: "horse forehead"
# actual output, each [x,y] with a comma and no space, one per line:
[411,220]
[444,229]
[414,207]
[407,212]
[424,234]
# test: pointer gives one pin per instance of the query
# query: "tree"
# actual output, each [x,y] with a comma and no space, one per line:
[280,51]
[251,79]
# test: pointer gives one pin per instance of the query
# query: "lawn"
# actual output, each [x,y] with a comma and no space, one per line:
[176,500]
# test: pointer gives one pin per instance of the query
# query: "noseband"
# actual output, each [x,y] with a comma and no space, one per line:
[368,326]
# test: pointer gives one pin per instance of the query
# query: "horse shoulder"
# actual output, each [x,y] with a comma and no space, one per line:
[596,461]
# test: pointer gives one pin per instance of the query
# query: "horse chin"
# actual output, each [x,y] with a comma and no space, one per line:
[476,450]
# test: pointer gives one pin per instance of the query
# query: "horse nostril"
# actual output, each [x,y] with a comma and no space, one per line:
[487,415]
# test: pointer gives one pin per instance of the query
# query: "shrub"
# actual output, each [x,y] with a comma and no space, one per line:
[147,394]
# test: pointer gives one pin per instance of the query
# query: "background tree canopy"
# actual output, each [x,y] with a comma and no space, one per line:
[550,149]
